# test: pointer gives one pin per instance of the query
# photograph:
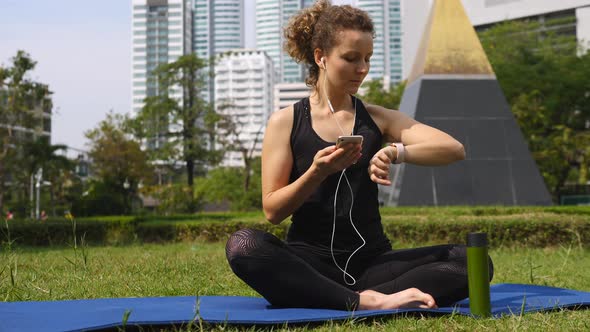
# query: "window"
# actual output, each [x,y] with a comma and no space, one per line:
[47,124]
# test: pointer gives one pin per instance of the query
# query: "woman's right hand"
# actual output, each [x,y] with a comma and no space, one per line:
[331,159]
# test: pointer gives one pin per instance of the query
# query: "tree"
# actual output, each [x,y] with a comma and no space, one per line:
[231,139]
[226,184]
[548,86]
[6,134]
[388,98]
[22,100]
[118,163]
[179,130]
[66,191]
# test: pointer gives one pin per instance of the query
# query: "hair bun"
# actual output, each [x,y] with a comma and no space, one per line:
[317,27]
[299,32]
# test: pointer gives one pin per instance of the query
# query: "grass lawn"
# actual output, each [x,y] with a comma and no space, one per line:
[199,268]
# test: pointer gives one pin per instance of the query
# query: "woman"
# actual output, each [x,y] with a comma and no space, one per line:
[336,254]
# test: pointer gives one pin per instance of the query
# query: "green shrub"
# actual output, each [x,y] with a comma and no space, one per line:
[61,231]
[508,232]
[209,231]
[510,226]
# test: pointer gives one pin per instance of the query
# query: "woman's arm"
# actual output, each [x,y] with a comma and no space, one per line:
[279,197]
[424,145]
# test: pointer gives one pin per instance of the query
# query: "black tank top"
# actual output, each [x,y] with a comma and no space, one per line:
[312,223]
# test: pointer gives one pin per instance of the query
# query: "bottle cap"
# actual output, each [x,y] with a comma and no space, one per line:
[477,239]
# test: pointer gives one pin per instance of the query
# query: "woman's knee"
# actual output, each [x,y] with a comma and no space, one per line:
[240,243]
[249,242]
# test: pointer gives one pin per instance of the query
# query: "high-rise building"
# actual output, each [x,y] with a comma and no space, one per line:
[287,94]
[218,26]
[386,62]
[271,17]
[162,32]
[244,83]
[29,124]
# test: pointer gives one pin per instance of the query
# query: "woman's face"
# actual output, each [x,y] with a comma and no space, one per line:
[347,64]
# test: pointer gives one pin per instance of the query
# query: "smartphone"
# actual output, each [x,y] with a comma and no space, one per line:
[352,139]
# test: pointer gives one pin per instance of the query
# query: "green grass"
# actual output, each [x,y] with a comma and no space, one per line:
[199,268]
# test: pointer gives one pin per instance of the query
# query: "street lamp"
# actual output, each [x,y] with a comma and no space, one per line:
[38,178]
[126,185]
[38,183]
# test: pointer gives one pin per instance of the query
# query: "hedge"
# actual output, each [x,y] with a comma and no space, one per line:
[60,232]
[506,226]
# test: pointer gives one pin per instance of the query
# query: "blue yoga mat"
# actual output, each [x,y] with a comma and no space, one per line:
[76,315]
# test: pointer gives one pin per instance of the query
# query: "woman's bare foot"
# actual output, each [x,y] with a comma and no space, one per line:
[409,298]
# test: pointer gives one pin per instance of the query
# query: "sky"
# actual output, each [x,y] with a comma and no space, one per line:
[83,52]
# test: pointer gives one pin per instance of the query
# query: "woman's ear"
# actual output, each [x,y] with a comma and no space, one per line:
[319,58]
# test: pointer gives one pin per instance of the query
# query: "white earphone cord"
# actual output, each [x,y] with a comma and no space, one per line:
[342,174]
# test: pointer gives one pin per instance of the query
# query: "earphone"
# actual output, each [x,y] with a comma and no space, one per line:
[342,174]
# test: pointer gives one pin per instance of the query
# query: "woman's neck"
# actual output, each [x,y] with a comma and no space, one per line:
[339,101]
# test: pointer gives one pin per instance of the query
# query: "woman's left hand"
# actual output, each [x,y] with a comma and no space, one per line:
[379,165]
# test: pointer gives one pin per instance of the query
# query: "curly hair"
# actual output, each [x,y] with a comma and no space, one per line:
[317,27]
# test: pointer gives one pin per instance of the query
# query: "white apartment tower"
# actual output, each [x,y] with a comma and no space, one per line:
[161,32]
[386,62]
[244,82]
[287,94]
[271,17]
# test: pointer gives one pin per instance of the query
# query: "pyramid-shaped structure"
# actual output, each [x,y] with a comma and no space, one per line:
[452,87]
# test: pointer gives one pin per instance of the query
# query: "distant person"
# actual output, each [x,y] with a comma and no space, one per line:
[43,215]
[9,215]
[336,254]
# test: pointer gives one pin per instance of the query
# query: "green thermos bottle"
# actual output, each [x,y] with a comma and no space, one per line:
[478,275]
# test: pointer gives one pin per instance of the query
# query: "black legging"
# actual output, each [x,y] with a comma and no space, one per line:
[294,276]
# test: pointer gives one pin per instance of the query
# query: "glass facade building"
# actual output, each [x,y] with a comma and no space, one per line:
[217,27]
[163,30]
[386,63]
[271,17]
[161,33]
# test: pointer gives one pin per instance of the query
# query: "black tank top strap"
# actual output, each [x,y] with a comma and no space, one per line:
[300,115]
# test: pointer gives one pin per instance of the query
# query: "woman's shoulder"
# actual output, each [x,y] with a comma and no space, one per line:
[381,115]
[386,119]
[281,119]
[377,110]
